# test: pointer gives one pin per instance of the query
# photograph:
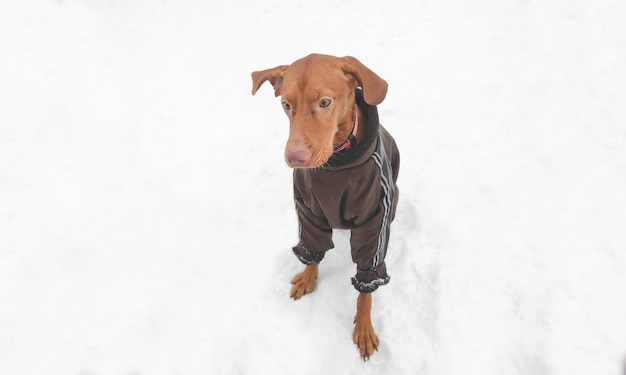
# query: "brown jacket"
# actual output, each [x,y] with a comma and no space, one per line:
[355,190]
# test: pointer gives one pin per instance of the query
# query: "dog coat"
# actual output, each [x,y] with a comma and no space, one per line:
[356,189]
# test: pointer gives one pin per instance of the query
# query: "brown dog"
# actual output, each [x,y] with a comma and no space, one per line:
[345,170]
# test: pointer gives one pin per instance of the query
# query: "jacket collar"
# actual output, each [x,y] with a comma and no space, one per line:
[368,134]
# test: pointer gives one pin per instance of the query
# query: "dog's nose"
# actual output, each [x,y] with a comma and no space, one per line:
[297,157]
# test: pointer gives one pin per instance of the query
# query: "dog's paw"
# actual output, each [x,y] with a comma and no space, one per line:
[365,338]
[304,282]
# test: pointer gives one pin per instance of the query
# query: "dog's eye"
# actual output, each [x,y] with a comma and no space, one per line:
[286,106]
[325,102]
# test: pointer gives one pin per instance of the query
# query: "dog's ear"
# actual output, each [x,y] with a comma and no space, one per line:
[274,75]
[374,87]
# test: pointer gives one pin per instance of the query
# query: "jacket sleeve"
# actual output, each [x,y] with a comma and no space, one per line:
[368,252]
[370,235]
[315,234]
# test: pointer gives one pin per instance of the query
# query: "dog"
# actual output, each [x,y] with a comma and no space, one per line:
[345,168]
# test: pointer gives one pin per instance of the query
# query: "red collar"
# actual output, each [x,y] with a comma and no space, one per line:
[351,141]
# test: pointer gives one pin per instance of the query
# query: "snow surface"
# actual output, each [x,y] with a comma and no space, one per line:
[146,215]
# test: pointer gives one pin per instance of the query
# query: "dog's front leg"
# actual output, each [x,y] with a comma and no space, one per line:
[304,282]
[364,336]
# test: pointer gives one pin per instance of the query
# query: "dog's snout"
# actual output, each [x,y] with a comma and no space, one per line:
[297,157]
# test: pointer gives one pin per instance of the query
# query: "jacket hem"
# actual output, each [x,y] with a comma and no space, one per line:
[370,286]
[308,257]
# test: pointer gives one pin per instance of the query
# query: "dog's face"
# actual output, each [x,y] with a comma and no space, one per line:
[318,98]
[317,94]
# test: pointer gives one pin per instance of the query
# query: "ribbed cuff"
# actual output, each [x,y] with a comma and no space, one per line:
[308,257]
[369,281]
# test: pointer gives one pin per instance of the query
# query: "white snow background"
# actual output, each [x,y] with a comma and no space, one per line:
[146,215]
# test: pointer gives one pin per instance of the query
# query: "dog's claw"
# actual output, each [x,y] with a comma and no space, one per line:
[366,341]
[304,283]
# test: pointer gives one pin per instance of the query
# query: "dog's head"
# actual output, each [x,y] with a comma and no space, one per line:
[317,94]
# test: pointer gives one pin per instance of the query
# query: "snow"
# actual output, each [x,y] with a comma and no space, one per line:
[146,215]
